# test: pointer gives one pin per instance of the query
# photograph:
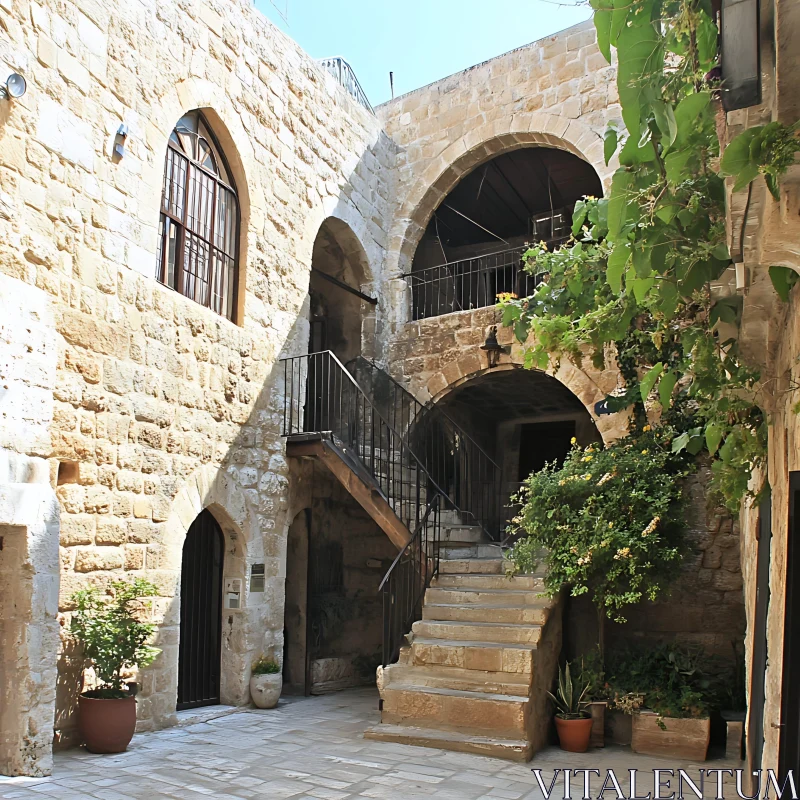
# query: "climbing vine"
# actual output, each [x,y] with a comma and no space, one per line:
[633,284]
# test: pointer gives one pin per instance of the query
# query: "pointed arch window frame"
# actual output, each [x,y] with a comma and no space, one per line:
[200,219]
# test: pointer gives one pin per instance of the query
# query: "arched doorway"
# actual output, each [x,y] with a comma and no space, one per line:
[199,651]
[522,419]
[340,305]
[472,246]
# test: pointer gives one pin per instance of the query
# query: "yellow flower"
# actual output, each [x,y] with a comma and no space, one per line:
[610,524]
[573,440]
[644,452]
[561,483]
[646,428]
[587,458]
[587,476]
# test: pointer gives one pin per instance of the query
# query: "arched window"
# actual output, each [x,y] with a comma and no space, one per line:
[198,242]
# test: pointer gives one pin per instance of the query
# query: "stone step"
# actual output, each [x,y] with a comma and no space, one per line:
[471,550]
[478,631]
[465,534]
[457,741]
[450,709]
[473,612]
[465,680]
[529,583]
[463,566]
[459,596]
[488,656]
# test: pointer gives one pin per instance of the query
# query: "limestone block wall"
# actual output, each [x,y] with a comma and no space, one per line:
[159,407]
[556,92]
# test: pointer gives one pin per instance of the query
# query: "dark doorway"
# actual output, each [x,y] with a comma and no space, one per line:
[543,442]
[755,732]
[201,614]
[789,749]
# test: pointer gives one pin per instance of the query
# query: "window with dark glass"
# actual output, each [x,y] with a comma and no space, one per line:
[197,245]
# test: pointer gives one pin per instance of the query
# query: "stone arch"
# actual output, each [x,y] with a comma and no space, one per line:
[202,95]
[474,148]
[209,487]
[338,251]
[588,386]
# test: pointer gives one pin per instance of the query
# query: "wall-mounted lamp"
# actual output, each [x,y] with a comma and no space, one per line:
[119,141]
[493,348]
[14,88]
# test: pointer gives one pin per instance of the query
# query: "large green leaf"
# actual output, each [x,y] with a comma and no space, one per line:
[676,165]
[641,286]
[665,387]
[649,381]
[713,436]
[641,56]
[632,154]
[748,174]
[737,154]
[616,266]
[618,202]
[665,119]
[609,144]
[783,278]
[602,24]
[688,112]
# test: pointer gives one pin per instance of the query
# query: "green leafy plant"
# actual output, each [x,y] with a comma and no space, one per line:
[266,666]
[609,521]
[112,632]
[671,679]
[592,674]
[632,287]
[767,150]
[569,697]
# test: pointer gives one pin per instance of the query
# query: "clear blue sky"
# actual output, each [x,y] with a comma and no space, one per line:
[419,40]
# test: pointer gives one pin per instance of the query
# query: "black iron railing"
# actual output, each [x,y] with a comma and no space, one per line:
[468,475]
[346,77]
[322,397]
[472,282]
[403,588]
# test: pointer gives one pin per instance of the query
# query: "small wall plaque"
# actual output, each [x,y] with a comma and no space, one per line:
[257,575]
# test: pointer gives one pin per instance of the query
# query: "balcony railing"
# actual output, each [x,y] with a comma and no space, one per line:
[472,282]
[344,74]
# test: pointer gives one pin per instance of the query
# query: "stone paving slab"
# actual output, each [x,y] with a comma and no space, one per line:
[312,749]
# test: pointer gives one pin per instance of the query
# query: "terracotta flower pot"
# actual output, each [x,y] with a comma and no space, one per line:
[266,690]
[107,725]
[574,734]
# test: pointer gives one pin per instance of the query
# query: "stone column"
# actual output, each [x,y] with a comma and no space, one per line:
[29,578]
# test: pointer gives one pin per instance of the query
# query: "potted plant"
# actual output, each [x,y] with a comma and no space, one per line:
[573,721]
[667,692]
[114,640]
[266,682]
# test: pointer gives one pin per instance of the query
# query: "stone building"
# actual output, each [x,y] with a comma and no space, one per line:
[189,206]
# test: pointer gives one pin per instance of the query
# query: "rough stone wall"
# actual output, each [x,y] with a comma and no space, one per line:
[165,407]
[556,92]
[770,335]
[704,605]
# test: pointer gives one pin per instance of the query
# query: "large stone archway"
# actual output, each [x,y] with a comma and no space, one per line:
[440,174]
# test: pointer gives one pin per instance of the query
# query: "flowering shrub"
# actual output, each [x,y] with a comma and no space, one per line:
[609,520]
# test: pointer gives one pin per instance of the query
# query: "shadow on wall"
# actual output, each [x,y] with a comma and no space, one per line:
[233,430]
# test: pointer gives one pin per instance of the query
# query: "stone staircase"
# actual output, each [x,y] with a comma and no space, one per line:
[474,672]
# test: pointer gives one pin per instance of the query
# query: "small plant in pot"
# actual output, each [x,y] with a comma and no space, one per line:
[573,721]
[266,683]
[114,639]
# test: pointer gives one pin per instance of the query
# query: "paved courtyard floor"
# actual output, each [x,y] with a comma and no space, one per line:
[313,748]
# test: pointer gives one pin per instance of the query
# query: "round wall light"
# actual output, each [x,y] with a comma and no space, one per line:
[15,87]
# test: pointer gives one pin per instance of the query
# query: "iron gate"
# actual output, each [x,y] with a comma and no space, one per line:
[201,614]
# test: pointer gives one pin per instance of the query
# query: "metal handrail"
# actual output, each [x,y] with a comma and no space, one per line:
[346,77]
[473,282]
[321,396]
[405,583]
[470,477]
